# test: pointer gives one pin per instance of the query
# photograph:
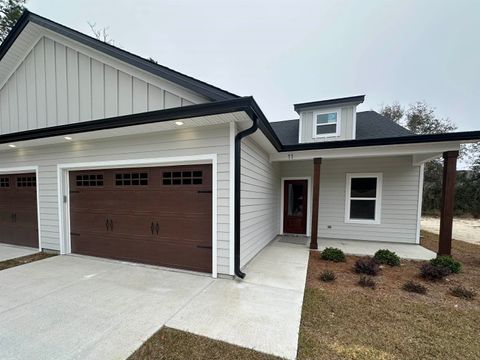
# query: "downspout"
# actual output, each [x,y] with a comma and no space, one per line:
[238,155]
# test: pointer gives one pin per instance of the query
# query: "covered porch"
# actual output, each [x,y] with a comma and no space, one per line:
[395,224]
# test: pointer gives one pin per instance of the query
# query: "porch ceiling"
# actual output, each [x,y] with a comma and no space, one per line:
[420,150]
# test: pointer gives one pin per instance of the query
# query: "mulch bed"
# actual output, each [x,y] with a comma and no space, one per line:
[7,264]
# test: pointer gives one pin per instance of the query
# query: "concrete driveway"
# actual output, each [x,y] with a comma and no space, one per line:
[70,307]
[8,252]
[73,307]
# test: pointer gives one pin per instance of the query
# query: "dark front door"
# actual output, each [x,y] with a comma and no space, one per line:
[295,207]
[160,216]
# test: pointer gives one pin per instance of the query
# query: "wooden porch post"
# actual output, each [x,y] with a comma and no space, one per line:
[317,162]
[448,200]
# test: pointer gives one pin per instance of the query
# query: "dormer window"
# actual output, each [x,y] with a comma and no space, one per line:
[326,123]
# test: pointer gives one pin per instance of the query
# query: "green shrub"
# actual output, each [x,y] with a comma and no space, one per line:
[366,266]
[387,257]
[434,272]
[327,276]
[333,254]
[412,286]
[448,262]
[367,281]
[461,292]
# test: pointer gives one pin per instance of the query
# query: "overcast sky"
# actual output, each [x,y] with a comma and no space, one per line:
[285,52]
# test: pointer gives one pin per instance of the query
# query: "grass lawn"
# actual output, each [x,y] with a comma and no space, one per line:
[341,320]
[23,260]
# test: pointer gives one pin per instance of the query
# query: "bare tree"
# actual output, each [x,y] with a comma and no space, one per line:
[101,34]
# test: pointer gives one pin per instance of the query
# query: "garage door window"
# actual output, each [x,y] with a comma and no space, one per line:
[4,182]
[26,181]
[90,180]
[183,178]
[131,179]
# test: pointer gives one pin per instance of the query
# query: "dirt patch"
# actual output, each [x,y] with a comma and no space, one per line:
[24,260]
[463,229]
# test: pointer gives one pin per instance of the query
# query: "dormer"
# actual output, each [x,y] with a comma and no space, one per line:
[328,120]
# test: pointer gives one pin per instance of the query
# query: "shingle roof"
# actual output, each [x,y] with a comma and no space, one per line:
[370,125]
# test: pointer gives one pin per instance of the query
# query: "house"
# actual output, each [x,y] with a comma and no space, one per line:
[107,154]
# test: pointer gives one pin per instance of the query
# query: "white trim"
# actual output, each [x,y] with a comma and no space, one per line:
[354,126]
[368,151]
[378,198]
[300,121]
[63,189]
[338,111]
[309,202]
[22,170]
[420,201]
[231,225]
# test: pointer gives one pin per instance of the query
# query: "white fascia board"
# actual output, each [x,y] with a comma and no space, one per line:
[367,151]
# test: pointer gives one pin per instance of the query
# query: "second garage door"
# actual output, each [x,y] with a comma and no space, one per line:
[160,216]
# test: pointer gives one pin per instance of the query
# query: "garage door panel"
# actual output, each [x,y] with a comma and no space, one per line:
[18,210]
[160,216]
[145,250]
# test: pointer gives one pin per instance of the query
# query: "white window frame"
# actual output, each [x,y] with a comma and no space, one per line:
[315,123]
[378,198]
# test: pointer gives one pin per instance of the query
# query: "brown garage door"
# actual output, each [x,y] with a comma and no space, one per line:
[18,210]
[160,216]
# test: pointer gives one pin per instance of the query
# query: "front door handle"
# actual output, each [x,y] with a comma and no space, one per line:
[157,228]
[106,224]
[111,224]
[152,228]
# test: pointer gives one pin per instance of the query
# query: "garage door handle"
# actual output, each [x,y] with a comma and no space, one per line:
[152,227]
[157,228]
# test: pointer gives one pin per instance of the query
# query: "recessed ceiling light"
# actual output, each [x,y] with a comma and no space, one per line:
[12,145]
[179,123]
[67,138]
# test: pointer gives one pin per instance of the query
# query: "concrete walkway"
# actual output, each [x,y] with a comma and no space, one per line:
[8,252]
[356,247]
[261,312]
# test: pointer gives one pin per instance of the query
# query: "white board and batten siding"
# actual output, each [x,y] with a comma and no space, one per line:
[260,188]
[57,84]
[346,124]
[177,143]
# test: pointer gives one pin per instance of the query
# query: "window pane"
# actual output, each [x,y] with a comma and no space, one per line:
[362,209]
[295,200]
[330,118]
[364,187]
[327,129]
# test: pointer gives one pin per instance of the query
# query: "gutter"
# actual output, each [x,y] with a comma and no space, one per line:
[238,159]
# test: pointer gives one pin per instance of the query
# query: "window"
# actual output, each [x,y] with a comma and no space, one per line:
[26,181]
[131,179]
[89,180]
[363,200]
[326,123]
[4,182]
[183,178]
